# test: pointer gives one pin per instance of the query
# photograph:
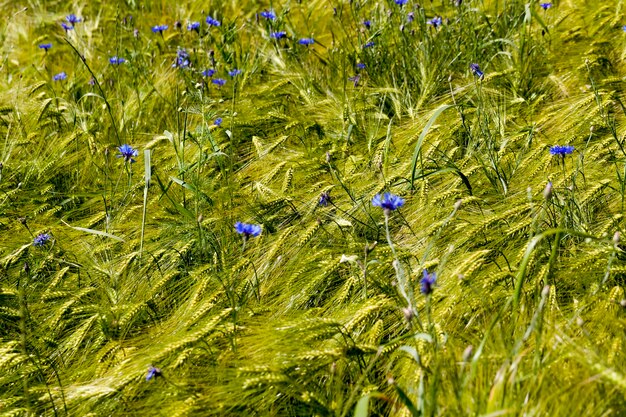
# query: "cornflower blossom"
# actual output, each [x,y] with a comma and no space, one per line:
[278,35]
[153,373]
[268,14]
[66,26]
[73,19]
[247,229]
[369,45]
[306,41]
[401,2]
[476,71]
[435,22]
[45,46]
[116,60]
[127,152]
[545,6]
[60,76]
[427,282]
[208,72]
[324,198]
[234,72]
[193,26]
[182,59]
[367,24]
[212,22]
[388,201]
[159,28]
[360,66]
[219,81]
[561,150]
[41,239]
[217,122]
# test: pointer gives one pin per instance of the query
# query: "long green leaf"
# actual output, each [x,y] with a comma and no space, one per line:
[420,140]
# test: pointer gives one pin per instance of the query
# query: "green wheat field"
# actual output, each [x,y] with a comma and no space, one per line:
[313,208]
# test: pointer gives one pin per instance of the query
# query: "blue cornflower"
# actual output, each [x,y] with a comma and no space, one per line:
[427,283]
[278,35]
[208,72]
[217,122]
[182,59]
[360,66]
[435,21]
[369,45]
[193,26]
[367,24]
[306,41]
[561,150]
[234,72]
[127,152]
[401,2]
[324,198]
[159,28]
[247,229]
[624,28]
[388,201]
[212,22]
[116,60]
[410,17]
[476,71]
[72,19]
[153,373]
[545,6]
[268,14]
[45,46]
[219,81]
[66,26]
[60,76]
[41,239]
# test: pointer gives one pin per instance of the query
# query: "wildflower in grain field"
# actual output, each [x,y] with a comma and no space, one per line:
[410,17]
[73,19]
[360,66]
[41,239]
[324,198]
[234,72]
[476,71]
[219,81]
[278,35]
[561,150]
[114,60]
[401,2]
[159,28]
[66,26]
[388,202]
[127,152]
[306,41]
[247,229]
[45,46]
[435,22]
[208,72]
[193,26]
[212,22]
[60,76]
[427,282]
[367,24]
[153,373]
[268,14]
[545,6]
[182,59]
[369,45]
[217,122]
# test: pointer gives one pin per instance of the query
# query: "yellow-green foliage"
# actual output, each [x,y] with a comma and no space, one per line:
[325,312]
